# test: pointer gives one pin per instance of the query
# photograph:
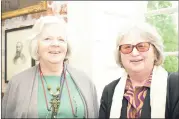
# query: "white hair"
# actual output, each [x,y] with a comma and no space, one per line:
[147,31]
[37,29]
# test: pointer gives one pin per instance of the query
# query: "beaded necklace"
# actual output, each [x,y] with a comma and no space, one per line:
[56,97]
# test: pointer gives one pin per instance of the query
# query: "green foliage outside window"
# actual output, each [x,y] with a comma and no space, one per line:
[167,29]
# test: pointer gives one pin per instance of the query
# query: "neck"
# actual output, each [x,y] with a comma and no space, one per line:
[51,69]
[139,78]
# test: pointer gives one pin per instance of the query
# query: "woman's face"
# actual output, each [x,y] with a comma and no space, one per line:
[137,61]
[52,44]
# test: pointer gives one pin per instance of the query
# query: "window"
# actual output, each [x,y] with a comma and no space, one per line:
[164,16]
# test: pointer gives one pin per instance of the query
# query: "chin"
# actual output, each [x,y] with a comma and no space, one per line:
[55,61]
[137,69]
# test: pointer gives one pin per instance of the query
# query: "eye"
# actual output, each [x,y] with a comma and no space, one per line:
[142,45]
[47,39]
[127,46]
[60,39]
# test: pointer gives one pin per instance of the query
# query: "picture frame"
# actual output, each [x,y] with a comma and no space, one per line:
[39,7]
[17,55]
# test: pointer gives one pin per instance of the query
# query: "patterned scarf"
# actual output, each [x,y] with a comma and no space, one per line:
[157,94]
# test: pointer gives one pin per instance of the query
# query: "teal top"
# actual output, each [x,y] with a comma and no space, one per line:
[65,110]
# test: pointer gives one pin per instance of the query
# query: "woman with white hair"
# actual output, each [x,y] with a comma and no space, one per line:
[145,89]
[52,88]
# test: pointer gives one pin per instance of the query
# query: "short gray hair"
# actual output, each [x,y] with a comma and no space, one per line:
[147,31]
[37,29]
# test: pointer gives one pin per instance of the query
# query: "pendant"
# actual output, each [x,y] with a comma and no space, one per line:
[55,102]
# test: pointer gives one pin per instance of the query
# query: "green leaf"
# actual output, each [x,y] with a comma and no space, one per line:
[171,64]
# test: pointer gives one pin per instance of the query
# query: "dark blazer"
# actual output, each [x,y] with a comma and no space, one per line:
[172,100]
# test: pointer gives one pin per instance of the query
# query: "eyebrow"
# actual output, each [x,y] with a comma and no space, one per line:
[61,37]
[53,37]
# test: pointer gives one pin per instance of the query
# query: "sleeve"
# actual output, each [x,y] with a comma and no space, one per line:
[103,104]
[173,96]
[5,100]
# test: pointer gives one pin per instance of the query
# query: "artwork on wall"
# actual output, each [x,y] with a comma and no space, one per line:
[14,8]
[17,56]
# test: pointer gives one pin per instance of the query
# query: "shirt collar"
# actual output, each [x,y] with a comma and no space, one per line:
[146,84]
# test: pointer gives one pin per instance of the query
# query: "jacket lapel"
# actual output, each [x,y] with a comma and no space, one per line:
[33,99]
[146,109]
[29,94]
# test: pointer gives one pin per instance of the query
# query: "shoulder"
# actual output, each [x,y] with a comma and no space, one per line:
[78,74]
[173,80]
[21,79]
[174,76]
[109,88]
[108,91]
[173,86]
[173,95]
[112,85]
[23,76]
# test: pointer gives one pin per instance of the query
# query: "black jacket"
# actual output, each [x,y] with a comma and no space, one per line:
[172,100]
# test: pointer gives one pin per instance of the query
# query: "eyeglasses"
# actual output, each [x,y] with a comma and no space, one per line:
[128,48]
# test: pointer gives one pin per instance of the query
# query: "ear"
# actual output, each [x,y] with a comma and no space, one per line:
[155,53]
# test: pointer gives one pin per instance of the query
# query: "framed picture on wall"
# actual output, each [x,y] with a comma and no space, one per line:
[17,56]
[14,8]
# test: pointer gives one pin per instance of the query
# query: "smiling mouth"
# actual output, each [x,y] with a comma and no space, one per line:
[54,52]
[136,60]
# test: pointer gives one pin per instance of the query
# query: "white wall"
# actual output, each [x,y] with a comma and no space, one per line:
[93,29]
[81,45]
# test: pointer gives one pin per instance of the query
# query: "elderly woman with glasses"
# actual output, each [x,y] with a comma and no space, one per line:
[52,88]
[145,89]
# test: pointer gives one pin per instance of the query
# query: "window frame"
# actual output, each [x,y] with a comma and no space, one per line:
[167,11]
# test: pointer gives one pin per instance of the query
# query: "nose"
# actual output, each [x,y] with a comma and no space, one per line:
[55,42]
[135,52]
